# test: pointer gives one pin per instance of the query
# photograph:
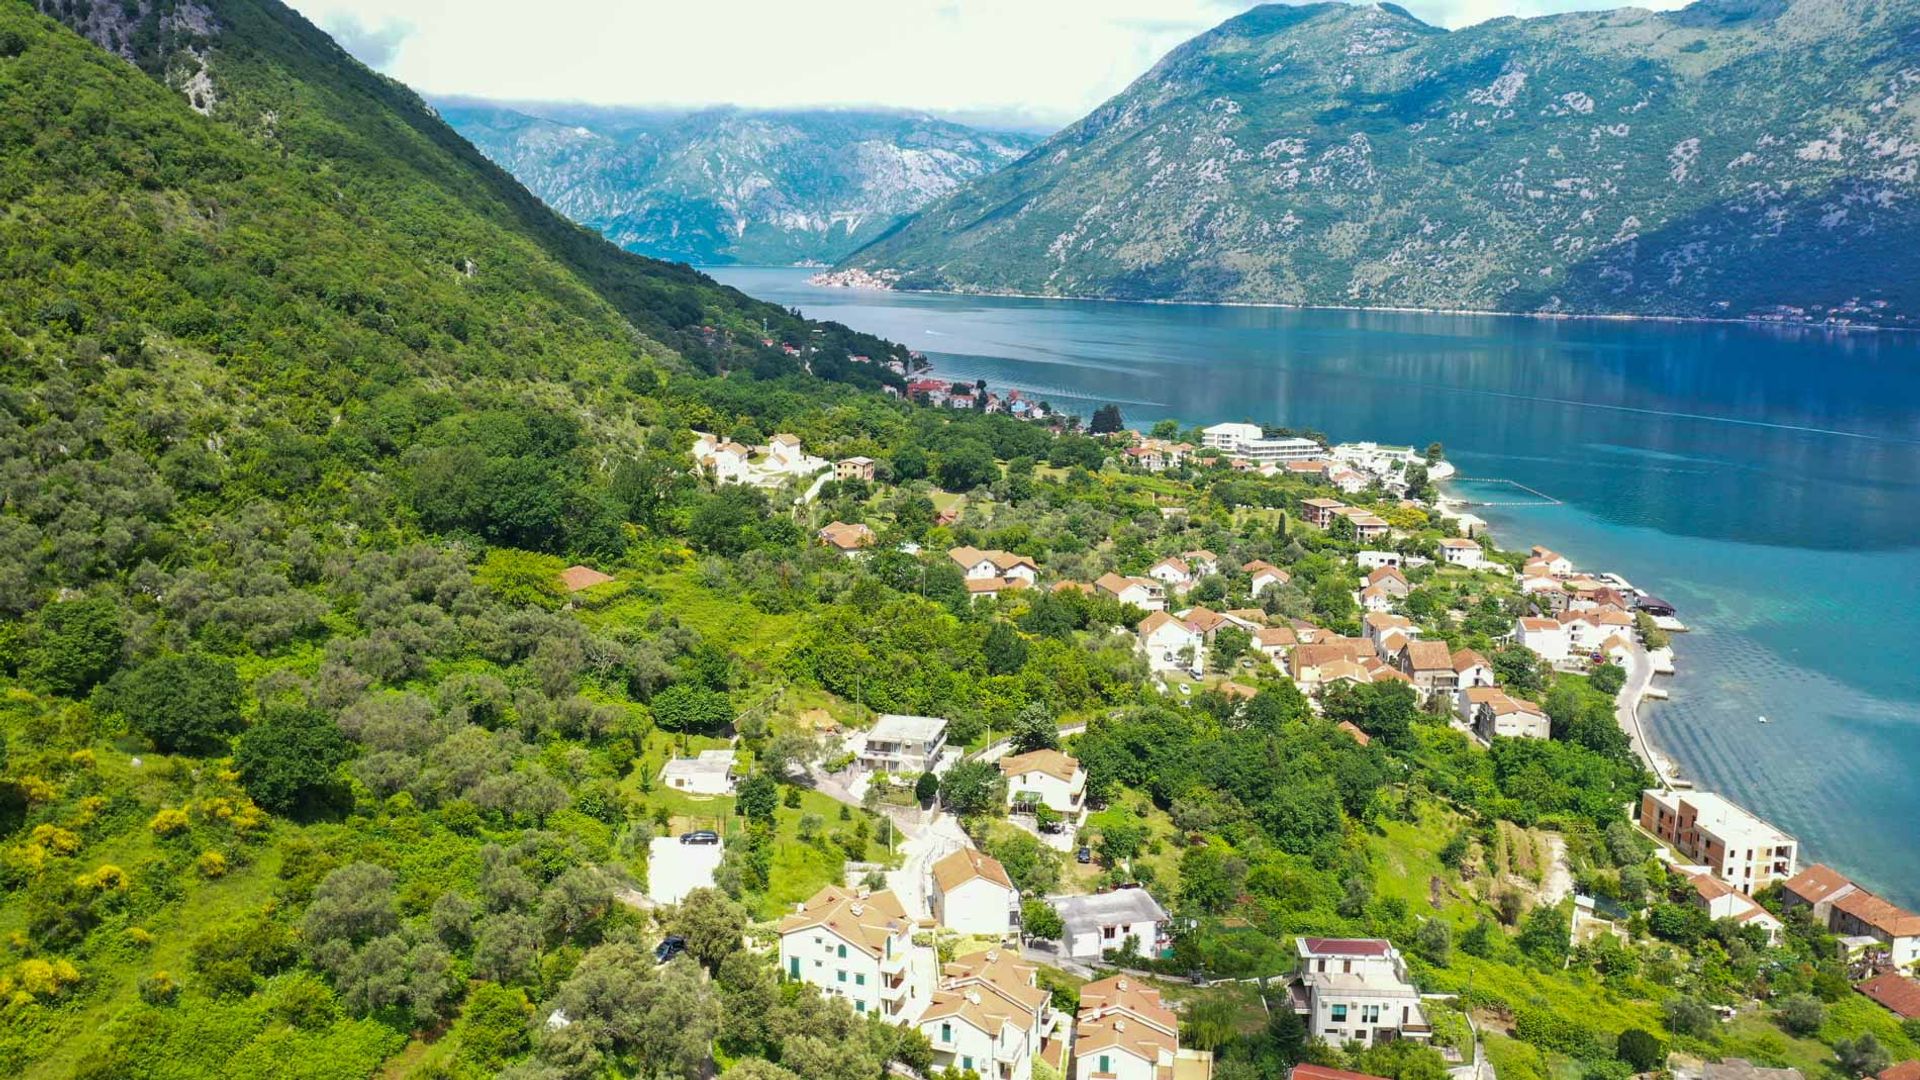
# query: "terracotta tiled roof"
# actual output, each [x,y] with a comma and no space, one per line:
[1386,573]
[1467,658]
[1122,993]
[1276,637]
[1890,919]
[1052,762]
[576,578]
[1353,729]
[865,922]
[1321,1072]
[994,585]
[1906,1070]
[1428,656]
[1001,560]
[1817,883]
[847,537]
[1320,946]
[966,864]
[1898,993]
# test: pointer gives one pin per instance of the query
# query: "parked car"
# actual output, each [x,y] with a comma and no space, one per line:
[1084,855]
[670,946]
[700,836]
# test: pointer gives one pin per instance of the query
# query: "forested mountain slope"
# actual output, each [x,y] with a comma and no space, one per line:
[1737,158]
[729,185]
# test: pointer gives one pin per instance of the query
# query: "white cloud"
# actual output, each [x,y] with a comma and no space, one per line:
[1046,60]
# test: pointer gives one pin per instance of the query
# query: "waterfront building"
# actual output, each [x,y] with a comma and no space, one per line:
[1706,829]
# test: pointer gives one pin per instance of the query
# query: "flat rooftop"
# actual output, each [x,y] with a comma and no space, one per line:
[893,727]
[1720,815]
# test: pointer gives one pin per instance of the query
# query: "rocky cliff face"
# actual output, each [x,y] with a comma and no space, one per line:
[1738,158]
[724,186]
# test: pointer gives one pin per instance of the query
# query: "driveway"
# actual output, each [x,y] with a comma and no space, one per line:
[675,869]
[934,841]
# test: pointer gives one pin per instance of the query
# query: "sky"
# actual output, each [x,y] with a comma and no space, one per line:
[1023,63]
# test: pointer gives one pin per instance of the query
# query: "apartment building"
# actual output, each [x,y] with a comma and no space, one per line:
[859,946]
[1713,832]
[1356,990]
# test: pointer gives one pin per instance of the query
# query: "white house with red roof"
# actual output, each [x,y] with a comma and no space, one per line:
[1355,990]
[1546,637]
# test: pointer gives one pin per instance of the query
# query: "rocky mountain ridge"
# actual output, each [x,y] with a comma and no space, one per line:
[1737,158]
[729,185]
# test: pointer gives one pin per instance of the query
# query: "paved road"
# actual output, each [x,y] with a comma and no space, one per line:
[1627,709]
[675,869]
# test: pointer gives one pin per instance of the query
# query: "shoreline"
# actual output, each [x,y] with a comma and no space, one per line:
[1704,320]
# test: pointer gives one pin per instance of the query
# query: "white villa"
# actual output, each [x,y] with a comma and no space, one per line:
[1170,644]
[1126,1032]
[769,466]
[1144,593]
[1546,637]
[989,1017]
[711,773]
[1104,921]
[903,744]
[1046,778]
[1457,551]
[971,893]
[1249,441]
[859,946]
[1356,990]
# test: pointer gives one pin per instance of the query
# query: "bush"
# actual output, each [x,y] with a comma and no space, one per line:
[1802,1014]
[1689,1016]
[189,703]
[1641,1049]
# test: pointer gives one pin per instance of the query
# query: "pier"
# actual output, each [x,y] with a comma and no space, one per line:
[1540,498]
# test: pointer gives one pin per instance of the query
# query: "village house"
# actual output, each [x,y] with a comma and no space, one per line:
[1274,641]
[982,564]
[1389,580]
[1721,901]
[859,946]
[903,744]
[848,540]
[1492,713]
[1369,561]
[1429,665]
[709,773]
[1557,564]
[1587,630]
[1173,572]
[1458,551]
[1104,922]
[1126,1032]
[1367,527]
[1816,888]
[1169,644]
[1201,562]
[1862,914]
[763,466]
[989,1017]
[1356,990]
[1374,598]
[1546,637]
[1262,575]
[988,588]
[1348,482]
[579,578]
[1144,457]
[1046,778]
[1472,669]
[1319,512]
[1142,592]
[854,468]
[1312,666]
[1382,626]
[969,892]
[1732,844]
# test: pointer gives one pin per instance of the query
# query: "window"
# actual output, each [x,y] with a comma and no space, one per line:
[842,953]
[1106,1064]
[946,1032]
[840,976]
[1107,932]
[859,1006]
[859,978]
[966,1062]
[793,967]
[1339,1014]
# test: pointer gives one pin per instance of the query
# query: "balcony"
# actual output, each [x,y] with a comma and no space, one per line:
[892,988]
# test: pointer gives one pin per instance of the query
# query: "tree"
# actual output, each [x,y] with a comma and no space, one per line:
[1210,880]
[521,578]
[1435,452]
[691,709]
[1802,1014]
[1166,429]
[1120,840]
[1038,919]
[1230,643]
[493,1025]
[926,788]
[1688,1016]
[287,759]
[1863,1056]
[353,904]
[910,463]
[1641,1049]
[1608,678]
[1520,669]
[1106,420]
[728,521]
[1545,935]
[75,644]
[187,702]
[1034,728]
[1209,1023]
[1005,650]
[1435,941]
[973,787]
[967,466]
[712,924]
[1033,867]
[759,797]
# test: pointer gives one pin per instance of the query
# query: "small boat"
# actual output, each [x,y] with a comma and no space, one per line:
[1764,720]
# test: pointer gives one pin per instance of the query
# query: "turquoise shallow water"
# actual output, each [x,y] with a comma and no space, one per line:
[1764,480]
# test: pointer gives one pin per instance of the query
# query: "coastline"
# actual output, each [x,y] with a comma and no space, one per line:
[1550,316]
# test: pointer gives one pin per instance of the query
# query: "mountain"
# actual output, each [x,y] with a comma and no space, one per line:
[729,186]
[1737,158]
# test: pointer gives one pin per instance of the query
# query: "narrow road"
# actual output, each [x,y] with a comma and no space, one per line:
[1627,709]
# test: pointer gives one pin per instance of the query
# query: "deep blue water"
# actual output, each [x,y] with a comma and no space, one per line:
[1764,480]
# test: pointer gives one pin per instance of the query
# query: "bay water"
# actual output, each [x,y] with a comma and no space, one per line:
[1765,480]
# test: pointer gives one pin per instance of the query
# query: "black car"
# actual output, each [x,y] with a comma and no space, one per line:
[1084,855]
[670,946]
[700,836]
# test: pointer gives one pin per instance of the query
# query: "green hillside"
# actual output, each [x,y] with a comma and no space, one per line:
[312,765]
[1734,159]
